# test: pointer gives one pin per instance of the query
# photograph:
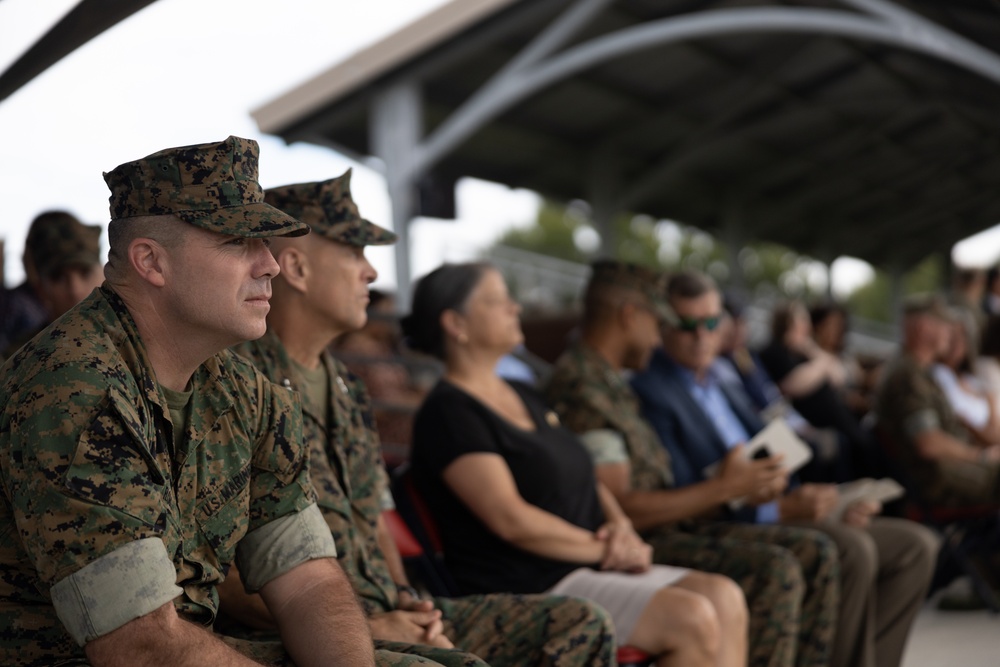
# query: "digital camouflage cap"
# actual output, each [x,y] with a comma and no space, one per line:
[647,282]
[327,207]
[213,186]
[57,241]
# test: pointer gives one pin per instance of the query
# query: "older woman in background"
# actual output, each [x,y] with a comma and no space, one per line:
[967,394]
[515,494]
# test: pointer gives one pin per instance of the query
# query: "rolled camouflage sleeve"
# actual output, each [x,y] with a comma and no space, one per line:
[605,446]
[281,545]
[127,583]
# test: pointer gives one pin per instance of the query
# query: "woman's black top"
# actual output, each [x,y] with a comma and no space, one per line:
[823,407]
[551,468]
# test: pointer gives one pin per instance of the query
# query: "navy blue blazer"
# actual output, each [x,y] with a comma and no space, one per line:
[684,429]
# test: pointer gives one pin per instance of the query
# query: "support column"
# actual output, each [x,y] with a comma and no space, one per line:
[396,130]
[827,259]
[896,273]
[603,190]
[734,238]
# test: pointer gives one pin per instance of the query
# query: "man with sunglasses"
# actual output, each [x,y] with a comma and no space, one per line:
[885,564]
[792,596]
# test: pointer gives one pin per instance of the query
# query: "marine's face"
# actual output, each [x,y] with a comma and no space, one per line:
[338,283]
[70,287]
[219,286]
[644,337]
[695,346]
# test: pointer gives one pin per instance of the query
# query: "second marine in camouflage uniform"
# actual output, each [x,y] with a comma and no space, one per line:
[347,471]
[789,575]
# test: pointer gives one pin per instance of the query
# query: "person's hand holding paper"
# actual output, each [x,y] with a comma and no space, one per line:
[809,502]
[757,480]
[763,465]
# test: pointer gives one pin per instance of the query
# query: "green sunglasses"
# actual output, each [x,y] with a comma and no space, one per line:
[691,324]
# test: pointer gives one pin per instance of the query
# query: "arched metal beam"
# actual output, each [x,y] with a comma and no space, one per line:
[513,86]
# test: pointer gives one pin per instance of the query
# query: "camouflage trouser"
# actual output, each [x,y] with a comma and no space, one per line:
[521,630]
[493,631]
[387,654]
[789,576]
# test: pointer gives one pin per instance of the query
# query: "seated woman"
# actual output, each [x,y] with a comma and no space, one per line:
[986,365]
[811,379]
[830,324]
[516,498]
[953,371]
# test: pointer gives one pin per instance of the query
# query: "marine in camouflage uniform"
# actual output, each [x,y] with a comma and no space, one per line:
[788,575]
[347,471]
[909,403]
[113,503]
[66,256]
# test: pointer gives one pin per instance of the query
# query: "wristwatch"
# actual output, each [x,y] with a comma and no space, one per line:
[405,588]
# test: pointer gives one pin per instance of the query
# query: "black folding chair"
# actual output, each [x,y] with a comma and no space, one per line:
[965,531]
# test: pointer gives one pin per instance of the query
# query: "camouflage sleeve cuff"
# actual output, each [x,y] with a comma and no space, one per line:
[385,501]
[920,422]
[131,581]
[605,446]
[280,545]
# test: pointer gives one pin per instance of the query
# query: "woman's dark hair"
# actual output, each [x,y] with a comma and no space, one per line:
[826,309]
[782,317]
[990,341]
[445,288]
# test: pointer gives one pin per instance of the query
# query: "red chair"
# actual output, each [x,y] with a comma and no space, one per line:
[424,566]
[406,543]
[421,532]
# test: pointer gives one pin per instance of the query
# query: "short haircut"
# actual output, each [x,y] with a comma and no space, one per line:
[600,300]
[689,284]
[122,232]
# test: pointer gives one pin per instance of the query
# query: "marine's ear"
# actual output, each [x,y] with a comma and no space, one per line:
[149,260]
[295,267]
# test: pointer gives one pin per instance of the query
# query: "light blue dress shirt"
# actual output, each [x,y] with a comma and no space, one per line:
[708,395]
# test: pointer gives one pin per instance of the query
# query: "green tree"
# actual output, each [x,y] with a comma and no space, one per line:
[873,300]
[566,232]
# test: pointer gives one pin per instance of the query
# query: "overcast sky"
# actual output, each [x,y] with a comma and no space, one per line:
[183,72]
[189,71]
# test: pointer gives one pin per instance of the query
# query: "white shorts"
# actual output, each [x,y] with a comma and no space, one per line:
[623,595]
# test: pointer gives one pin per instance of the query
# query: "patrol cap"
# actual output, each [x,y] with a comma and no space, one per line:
[327,207]
[639,279]
[57,240]
[213,186]
[928,304]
